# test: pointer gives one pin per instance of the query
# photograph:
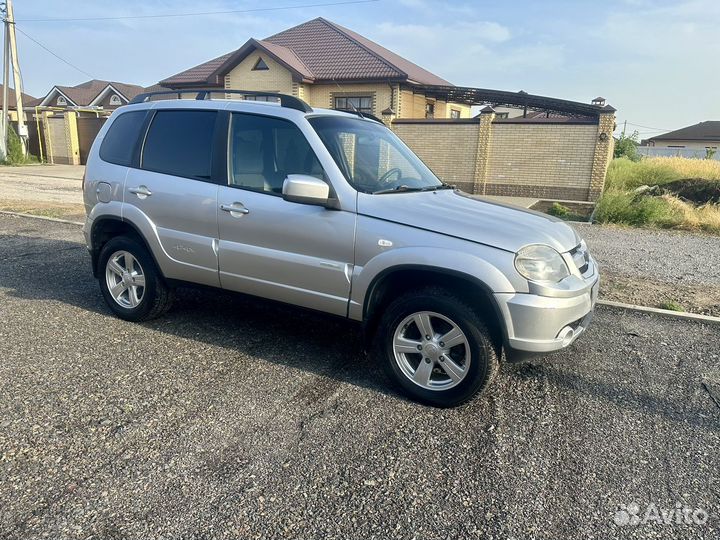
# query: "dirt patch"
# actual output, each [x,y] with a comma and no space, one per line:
[695,190]
[573,211]
[71,212]
[704,299]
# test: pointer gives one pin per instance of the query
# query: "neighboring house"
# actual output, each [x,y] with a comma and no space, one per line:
[91,94]
[328,66]
[702,136]
[27,100]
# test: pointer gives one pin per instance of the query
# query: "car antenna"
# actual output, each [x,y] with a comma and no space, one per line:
[354,109]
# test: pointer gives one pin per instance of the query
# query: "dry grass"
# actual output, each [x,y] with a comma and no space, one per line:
[620,205]
[624,175]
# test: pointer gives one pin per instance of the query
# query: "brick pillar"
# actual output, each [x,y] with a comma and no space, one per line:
[604,146]
[487,116]
[71,137]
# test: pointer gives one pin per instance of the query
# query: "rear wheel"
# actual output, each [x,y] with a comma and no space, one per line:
[130,282]
[435,347]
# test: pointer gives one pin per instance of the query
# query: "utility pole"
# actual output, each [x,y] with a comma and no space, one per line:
[6,64]
[17,77]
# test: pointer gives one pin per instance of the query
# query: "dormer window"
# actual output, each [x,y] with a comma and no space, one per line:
[260,65]
[115,100]
[61,101]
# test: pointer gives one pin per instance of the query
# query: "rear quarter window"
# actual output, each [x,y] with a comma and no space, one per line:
[120,141]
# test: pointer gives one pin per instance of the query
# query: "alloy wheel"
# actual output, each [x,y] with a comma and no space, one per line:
[431,350]
[125,279]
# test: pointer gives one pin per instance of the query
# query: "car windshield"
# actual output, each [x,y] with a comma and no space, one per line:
[373,158]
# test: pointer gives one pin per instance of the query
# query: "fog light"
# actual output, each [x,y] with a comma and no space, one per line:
[566,334]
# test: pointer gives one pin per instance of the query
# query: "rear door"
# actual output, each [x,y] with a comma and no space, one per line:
[175,190]
[296,253]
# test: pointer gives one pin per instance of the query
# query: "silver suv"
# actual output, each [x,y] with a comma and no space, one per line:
[329,210]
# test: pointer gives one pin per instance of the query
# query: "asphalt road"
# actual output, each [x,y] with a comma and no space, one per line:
[237,418]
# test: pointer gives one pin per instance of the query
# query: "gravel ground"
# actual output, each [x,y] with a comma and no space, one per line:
[232,417]
[651,267]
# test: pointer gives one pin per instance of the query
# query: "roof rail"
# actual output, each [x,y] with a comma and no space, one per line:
[291,102]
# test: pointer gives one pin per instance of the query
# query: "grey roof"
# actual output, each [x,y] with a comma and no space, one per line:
[704,131]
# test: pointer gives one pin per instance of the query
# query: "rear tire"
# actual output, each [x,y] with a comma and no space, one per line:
[130,282]
[435,347]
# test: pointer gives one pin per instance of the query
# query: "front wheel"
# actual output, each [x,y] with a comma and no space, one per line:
[435,347]
[130,282]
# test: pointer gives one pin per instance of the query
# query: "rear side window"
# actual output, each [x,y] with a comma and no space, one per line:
[119,143]
[180,143]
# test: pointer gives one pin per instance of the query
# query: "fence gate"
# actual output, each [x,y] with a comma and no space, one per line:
[87,128]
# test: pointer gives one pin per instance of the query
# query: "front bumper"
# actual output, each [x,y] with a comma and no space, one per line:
[536,324]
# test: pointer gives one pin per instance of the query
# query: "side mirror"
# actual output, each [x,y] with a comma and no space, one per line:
[301,188]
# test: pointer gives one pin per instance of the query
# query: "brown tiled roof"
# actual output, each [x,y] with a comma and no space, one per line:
[704,131]
[84,93]
[198,74]
[317,50]
[28,100]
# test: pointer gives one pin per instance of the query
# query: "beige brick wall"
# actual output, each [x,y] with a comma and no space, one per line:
[449,149]
[275,79]
[412,105]
[554,161]
[321,95]
[545,157]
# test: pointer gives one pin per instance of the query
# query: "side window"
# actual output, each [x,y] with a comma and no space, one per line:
[120,140]
[264,150]
[180,143]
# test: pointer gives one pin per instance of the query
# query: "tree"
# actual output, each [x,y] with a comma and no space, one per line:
[626,146]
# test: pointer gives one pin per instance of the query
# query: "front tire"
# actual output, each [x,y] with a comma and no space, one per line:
[130,282]
[435,347]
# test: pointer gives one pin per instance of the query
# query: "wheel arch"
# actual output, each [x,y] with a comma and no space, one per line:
[104,228]
[397,280]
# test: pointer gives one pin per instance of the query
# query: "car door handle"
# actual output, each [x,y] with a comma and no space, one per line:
[235,207]
[141,191]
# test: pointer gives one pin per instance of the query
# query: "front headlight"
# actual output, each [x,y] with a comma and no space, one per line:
[541,263]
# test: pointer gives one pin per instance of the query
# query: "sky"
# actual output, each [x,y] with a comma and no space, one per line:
[655,61]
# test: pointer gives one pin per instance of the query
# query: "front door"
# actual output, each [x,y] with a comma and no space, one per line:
[296,253]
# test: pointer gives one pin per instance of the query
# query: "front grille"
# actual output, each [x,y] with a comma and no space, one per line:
[581,258]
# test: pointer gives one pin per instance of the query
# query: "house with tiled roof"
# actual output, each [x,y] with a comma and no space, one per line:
[91,94]
[329,66]
[701,136]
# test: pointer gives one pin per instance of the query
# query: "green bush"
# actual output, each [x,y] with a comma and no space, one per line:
[630,209]
[626,146]
[559,210]
[14,150]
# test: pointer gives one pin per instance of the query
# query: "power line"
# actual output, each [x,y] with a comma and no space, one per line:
[195,14]
[51,52]
[649,127]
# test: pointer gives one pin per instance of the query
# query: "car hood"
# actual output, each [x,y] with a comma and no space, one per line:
[478,220]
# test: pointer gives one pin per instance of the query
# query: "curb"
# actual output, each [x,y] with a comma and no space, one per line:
[46,218]
[664,312]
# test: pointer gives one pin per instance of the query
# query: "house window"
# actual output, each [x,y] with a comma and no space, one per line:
[454,113]
[271,99]
[115,100]
[429,109]
[260,65]
[361,104]
[61,101]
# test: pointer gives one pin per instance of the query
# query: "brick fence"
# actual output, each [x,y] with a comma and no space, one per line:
[545,158]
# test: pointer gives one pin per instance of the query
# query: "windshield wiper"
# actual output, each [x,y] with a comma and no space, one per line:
[403,188]
[398,189]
